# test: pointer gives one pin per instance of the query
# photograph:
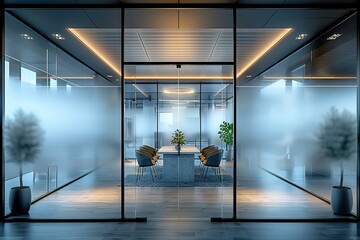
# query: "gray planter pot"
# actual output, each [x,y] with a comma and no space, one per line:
[341,200]
[177,147]
[20,200]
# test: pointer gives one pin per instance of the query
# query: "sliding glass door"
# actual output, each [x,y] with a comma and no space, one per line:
[159,101]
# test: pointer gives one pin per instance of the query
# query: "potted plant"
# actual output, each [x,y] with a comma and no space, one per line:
[23,140]
[178,139]
[226,135]
[337,139]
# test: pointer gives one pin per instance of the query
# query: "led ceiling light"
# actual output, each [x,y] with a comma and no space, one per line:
[334,36]
[314,77]
[301,36]
[58,36]
[26,36]
[179,91]
[93,49]
[68,77]
[140,90]
[278,38]
[176,78]
[221,90]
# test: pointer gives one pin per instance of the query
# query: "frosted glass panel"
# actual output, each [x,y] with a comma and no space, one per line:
[79,112]
[297,124]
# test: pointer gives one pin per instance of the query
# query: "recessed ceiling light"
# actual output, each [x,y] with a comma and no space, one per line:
[301,36]
[109,76]
[58,36]
[248,76]
[26,36]
[334,36]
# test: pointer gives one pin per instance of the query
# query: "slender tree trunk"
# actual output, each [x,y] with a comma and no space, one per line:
[342,173]
[20,176]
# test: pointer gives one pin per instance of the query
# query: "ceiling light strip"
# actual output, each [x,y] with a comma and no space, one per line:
[265,50]
[68,77]
[93,49]
[179,91]
[221,90]
[140,90]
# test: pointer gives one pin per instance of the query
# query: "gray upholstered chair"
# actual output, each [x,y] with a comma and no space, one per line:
[213,160]
[207,151]
[153,152]
[144,160]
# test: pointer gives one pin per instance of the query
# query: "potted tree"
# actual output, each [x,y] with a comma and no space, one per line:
[226,135]
[178,139]
[23,140]
[337,139]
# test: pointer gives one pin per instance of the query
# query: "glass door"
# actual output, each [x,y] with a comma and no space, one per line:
[172,106]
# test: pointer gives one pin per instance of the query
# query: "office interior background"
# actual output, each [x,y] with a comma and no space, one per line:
[105,78]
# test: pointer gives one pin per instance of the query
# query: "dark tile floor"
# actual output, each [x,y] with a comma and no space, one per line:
[179,230]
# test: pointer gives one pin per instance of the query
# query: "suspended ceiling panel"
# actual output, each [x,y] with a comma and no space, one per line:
[178,18]
[183,46]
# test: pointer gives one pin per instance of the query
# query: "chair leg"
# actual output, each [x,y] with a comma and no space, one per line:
[206,170]
[152,174]
[137,174]
[155,171]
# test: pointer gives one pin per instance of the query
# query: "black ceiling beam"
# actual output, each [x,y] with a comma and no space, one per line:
[178,63]
[352,6]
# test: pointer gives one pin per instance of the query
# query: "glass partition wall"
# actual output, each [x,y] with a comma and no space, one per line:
[297,128]
[178,66]
[78,111]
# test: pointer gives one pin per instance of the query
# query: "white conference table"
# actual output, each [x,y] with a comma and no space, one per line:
[178,168]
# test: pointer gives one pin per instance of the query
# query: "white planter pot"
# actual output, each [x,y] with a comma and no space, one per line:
[341,200]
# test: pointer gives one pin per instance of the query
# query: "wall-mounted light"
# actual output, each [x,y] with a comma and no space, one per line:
[26,36]
[179,91]
[334,36]
[58,36]
[301,36]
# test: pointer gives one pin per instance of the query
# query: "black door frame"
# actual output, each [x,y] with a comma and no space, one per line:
[122,6]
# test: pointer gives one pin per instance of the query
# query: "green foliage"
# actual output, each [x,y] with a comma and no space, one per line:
[178,137]
[226,133]
[337,136]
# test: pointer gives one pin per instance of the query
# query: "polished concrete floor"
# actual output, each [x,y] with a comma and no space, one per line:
[179,230]
[260,196]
